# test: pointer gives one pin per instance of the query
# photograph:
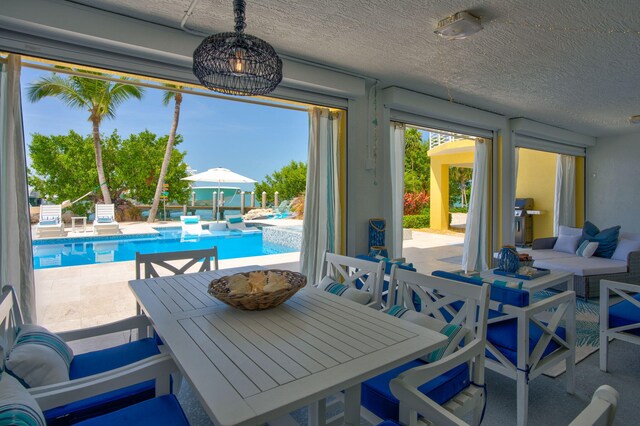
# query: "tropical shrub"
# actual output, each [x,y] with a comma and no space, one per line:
[414,203]
[415,221]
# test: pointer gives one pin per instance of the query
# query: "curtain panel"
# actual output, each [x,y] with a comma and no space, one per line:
[397,188]
[564,203]
[322,210]
[474,255]
[16,260]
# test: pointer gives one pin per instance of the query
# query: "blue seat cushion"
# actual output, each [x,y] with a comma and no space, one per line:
[503,335]
[163,410]
[625,313]
[377,397]
[388,423]
[507,295]
[91,363]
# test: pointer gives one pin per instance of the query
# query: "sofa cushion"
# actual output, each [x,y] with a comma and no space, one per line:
[607,239]
[625,313]
[503,336]
[567,230]
[547,254]
[625,247]
[583,266]
[567,243]
[377,396]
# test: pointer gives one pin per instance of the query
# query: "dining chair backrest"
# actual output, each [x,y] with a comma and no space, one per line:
[355,273]
[462,306]
[619,316]
[152,261]
[10,320]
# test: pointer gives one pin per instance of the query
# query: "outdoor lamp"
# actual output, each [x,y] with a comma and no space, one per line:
[236,63]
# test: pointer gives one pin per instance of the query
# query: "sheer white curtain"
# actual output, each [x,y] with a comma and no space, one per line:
[474,256]
[564,205]
[322,211]
[397,188]
[16,261]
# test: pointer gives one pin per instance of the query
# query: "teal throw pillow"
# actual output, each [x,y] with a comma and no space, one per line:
[607,239]
[237,219]
[191,220]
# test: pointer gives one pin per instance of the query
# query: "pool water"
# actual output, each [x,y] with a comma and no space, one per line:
[89,251]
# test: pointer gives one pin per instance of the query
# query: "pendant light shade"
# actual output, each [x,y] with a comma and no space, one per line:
[236,63]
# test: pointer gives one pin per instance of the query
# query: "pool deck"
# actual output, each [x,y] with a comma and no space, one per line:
[74,297]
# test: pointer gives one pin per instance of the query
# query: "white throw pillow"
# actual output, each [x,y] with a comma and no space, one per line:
[454,333]
[587,248]
[567,243]
[39,357]
[625,247]
[17,406]
[330,285]
[569,231]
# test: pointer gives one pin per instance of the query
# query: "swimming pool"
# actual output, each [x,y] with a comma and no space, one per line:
[120,248]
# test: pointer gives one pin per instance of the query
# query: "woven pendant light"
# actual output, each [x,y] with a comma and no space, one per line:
[236,63]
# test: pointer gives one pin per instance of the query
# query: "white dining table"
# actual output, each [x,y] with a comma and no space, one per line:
[248,367]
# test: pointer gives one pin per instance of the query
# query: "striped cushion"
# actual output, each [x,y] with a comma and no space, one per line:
[587,248]
[17,406]
[329,285]
[39,357]
[454,333]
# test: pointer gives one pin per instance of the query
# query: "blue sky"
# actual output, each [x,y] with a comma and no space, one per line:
[252,140]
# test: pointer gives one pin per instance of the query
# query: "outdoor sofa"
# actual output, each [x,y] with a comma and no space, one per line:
[624,264]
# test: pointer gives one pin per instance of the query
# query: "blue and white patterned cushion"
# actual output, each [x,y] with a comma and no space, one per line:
[455,333]
[587,248]
[17,406]
[330,285]
[105,219]
[39,357]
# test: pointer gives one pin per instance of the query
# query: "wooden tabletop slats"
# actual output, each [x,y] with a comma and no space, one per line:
[281,358]
[326,323]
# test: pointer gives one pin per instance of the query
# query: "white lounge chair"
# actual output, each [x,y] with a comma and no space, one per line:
[236,223]
[50,224]
[191,225]
[105,220]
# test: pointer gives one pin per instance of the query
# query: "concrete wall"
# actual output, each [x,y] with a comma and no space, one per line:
[613,173]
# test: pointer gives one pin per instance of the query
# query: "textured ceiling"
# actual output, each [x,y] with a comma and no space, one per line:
[569,63]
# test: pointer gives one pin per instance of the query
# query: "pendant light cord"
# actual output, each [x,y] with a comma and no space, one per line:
[238,12]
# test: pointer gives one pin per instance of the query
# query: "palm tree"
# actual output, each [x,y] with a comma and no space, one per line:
[99,97]
[177,98]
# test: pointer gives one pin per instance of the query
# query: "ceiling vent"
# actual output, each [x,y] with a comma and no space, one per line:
[458,26]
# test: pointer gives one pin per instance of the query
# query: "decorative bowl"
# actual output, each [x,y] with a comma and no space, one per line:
[219,288]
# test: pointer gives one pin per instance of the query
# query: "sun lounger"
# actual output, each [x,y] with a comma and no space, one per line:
[236,223]
[105,220]
[191,226]
[50,224]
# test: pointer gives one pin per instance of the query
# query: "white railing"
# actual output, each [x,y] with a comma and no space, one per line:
[437,139]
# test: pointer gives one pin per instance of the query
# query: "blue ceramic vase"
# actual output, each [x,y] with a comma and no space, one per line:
[508,259]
